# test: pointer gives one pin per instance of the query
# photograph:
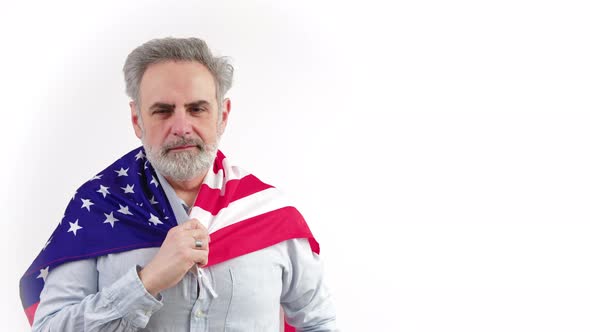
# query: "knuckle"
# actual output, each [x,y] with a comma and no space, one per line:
[185,255]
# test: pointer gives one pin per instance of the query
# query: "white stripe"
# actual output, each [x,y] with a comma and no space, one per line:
[250,206]
[218,180]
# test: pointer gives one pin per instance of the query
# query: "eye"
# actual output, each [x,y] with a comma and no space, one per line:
[196,109]
[161,111]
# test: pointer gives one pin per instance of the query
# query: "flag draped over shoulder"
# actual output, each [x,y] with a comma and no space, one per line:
[124,207]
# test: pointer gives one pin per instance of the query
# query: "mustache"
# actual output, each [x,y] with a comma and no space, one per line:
[197,141]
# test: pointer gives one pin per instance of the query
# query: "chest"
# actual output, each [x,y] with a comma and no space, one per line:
[245,290]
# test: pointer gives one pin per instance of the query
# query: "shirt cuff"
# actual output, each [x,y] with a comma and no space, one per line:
[130,298]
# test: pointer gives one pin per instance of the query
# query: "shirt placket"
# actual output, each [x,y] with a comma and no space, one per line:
[202,303]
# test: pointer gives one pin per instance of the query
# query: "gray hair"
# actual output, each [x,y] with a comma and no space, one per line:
[176,49]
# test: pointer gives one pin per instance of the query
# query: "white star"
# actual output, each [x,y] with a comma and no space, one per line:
[48,242]
[110,219]
[122,172]
[153,200]
[154,181]
[154,220]
[74,227]
[43,273]
[129,189]
[96,177]
[103,190]
[74,195]
[124,210]
[86,203]
[139,155]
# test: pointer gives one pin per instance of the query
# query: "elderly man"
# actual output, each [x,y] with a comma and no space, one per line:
[172,236]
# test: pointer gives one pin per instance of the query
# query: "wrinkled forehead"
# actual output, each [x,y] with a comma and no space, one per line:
[177,82]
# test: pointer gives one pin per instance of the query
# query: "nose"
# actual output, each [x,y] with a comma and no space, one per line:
[180,124]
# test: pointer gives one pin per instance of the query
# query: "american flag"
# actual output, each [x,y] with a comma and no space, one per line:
[124,207]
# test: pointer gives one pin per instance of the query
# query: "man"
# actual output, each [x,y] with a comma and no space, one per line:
[172,236]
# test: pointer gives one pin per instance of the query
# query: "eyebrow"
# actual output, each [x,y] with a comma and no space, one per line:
[197,104]
[161,105]
[172,106]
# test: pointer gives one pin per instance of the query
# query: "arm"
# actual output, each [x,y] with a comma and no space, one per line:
[70,301]
[305,298]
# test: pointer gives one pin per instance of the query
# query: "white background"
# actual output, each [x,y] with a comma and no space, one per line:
[438,149]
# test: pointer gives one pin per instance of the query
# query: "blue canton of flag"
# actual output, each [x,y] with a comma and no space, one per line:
[121,208]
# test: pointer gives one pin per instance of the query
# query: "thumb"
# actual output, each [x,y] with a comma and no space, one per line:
[191,224]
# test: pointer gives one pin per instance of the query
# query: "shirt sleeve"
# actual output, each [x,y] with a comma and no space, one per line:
[70,301]
[305,298]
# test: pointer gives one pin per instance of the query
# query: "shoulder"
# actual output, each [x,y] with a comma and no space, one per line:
[129,164]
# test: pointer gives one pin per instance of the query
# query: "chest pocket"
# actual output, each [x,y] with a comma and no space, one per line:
[112,266]
[249,289]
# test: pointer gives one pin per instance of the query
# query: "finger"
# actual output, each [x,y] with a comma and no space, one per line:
[200,257]
[200,225]
[191,224]
[200,245]
[198,234]
[201,242]
[195,224]
[189,239]
[202,263]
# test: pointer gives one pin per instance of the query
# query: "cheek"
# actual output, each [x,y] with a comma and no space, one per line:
[151,136]
[204,131]
[211,135]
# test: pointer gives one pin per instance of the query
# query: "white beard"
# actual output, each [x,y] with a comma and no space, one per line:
[182,165]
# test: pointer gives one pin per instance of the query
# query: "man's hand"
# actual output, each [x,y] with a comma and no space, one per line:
[176,256]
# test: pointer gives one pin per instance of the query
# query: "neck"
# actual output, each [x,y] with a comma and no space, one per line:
[187,190]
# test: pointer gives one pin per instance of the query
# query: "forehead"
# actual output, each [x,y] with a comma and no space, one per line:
[177,80]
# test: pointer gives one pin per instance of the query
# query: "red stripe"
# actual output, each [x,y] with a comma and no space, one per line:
[218,162]
[212,200]
[30,312]
[257,233]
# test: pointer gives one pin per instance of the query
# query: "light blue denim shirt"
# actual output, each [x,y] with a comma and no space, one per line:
[242,294]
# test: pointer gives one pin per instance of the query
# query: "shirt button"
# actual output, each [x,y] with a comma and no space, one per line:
[199,314]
